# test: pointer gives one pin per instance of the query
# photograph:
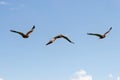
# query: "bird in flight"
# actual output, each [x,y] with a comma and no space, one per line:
[59,36]
[101,36]
[24,35]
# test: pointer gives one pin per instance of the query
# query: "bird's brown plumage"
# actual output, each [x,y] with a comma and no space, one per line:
[22,34]
[59,36]
[101,36]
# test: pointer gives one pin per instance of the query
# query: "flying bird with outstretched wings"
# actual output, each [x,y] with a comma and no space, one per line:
[101,36]
[22,34]
[59,36]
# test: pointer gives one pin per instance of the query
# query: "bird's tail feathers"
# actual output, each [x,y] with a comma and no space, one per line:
[13,31]
[90,33]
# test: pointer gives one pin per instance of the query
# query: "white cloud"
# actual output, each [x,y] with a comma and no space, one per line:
[118,78]
[81,75]
[3,3]
[12,6]
[1,79]
[110,76]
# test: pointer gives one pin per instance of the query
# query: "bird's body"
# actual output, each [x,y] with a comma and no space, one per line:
[59,36]
[22,34]
[101,36]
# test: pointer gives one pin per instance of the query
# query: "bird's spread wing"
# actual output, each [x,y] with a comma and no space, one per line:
[51,41]
[108,31]
[30,31]
[67,39]
[99,35]
[22,34]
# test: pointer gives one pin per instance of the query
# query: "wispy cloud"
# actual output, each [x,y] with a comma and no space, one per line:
[3,3]
[81,75]
[12,6]
[118,77]
[1,79]
[110,77]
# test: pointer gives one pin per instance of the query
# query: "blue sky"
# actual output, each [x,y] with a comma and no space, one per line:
[88,59]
